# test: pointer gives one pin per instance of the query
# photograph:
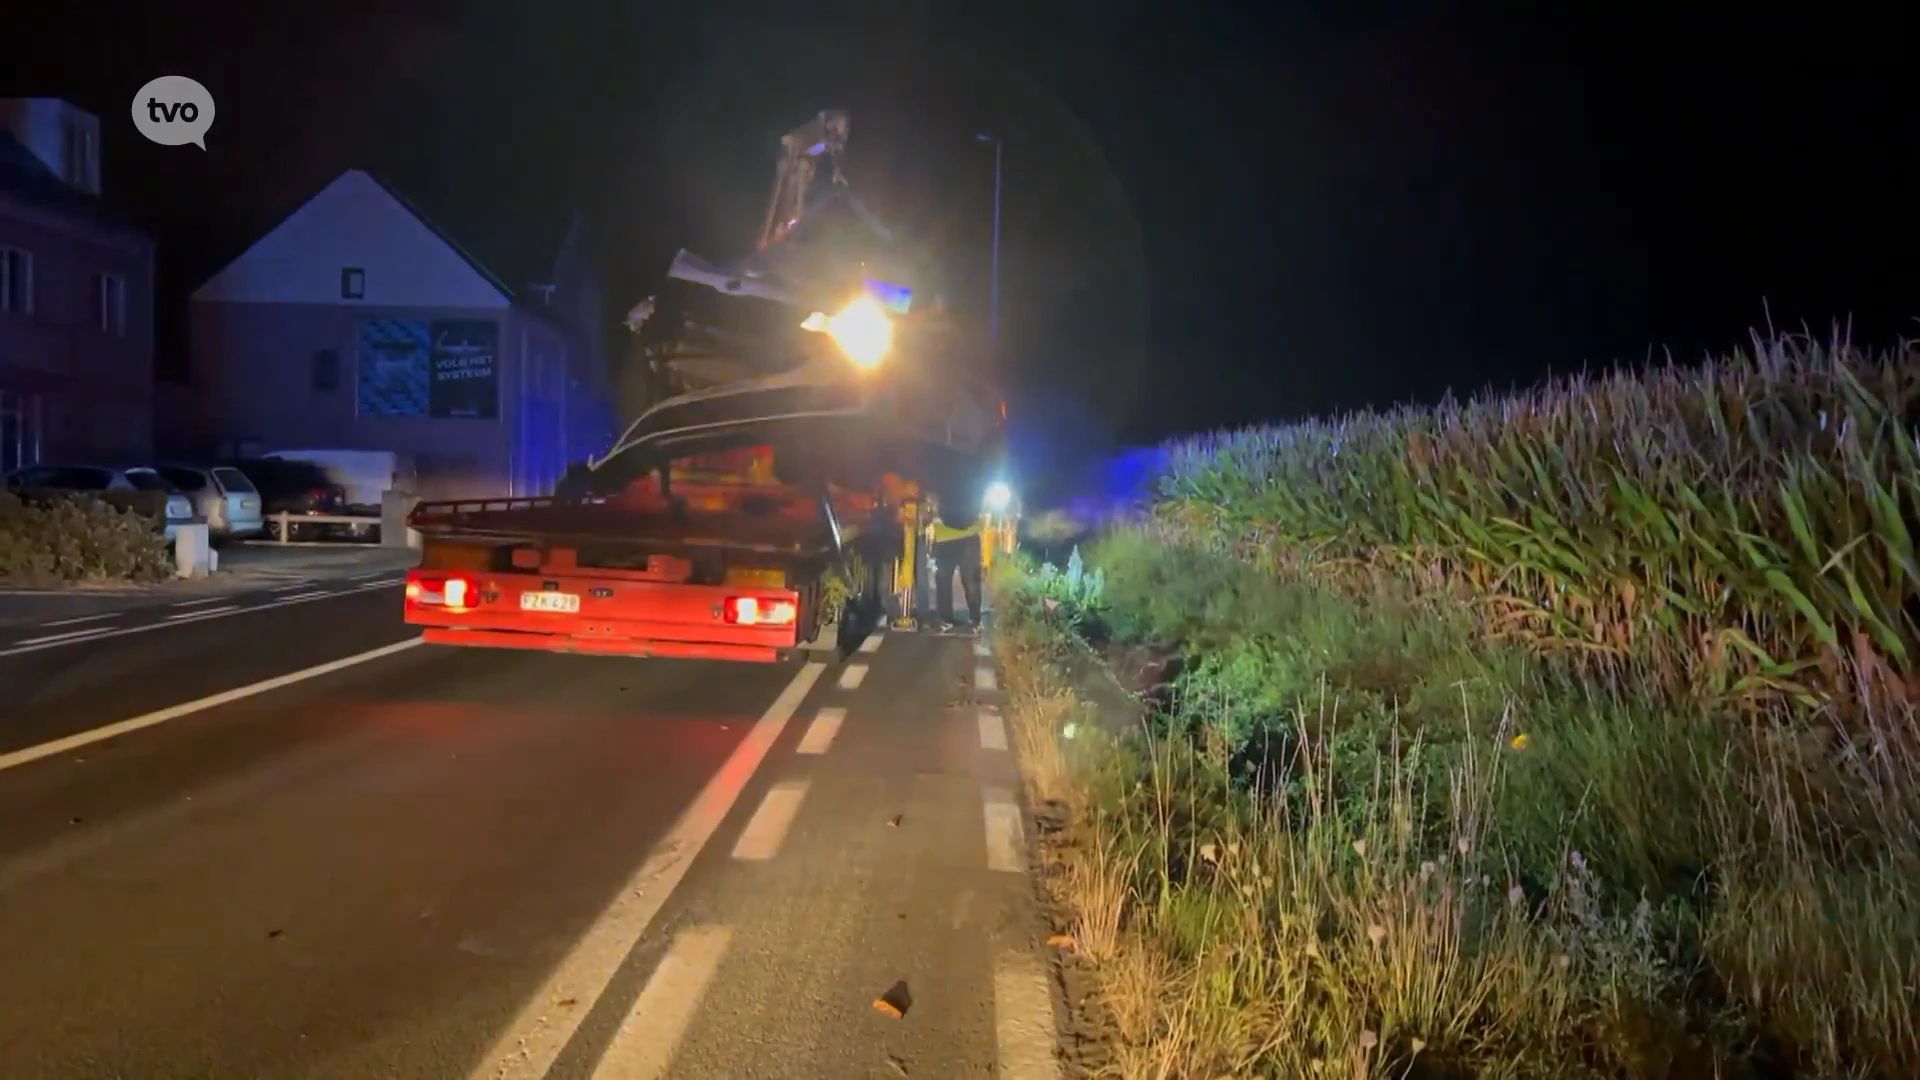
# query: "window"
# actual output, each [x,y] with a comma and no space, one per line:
[16,281]
[353,283]
[80,156]
[233,481]
[326,371]
[187,480]
[110,303]
[147,480]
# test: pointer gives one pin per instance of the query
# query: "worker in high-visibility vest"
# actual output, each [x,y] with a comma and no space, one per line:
[956,547]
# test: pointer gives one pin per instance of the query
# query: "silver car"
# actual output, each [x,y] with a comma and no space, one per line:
[179,508]
[223,495]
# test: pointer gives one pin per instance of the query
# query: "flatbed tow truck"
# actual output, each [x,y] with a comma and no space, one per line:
[771,492]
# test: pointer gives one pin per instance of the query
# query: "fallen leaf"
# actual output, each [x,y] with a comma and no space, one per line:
[885,1006]
[275,933]
[894,821]
[1063,941]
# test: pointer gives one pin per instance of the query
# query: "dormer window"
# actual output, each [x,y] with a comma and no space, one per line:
[353,283]
[81,156]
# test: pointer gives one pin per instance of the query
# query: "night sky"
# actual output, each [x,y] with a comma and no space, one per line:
[1214,214]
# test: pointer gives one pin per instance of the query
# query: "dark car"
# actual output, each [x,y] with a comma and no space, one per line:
[297,488]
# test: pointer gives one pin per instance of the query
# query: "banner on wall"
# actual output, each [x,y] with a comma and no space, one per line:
[394,368]
[465,378]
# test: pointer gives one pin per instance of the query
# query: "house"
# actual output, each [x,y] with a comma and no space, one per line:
[356,323]
[76,297]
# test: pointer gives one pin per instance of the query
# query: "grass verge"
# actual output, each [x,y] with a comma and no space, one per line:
[1362,828]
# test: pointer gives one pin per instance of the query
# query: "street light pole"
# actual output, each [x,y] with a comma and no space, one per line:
[993,293]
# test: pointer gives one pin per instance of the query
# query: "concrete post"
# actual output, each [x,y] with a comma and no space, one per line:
[192,551]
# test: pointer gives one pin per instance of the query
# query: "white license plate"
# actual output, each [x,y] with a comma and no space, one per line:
[549,601]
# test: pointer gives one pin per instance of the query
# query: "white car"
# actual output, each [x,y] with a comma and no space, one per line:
[179,508]
[221,494]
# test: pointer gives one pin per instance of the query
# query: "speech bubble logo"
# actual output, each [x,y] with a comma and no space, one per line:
[173,110]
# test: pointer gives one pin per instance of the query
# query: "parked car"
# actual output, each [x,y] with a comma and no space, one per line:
[299,488]
[95,478]
[223,495]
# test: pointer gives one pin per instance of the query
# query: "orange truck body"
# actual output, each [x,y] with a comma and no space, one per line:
[737,573]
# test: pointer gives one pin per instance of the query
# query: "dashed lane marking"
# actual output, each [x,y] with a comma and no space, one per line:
[86,738]
[528,1047]
[993,730]
[1023,1018]
[200,602]
[984,680]
[71,635]
[872,644]
[78,619]
[853,676]
[820,733]
[1006,847]
[647,1039]
[768,827]
[186,617]
[980,650]
[205,613]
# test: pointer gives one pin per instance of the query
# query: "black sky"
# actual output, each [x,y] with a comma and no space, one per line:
[1215,213]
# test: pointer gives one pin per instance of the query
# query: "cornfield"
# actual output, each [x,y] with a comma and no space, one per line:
[1744,528]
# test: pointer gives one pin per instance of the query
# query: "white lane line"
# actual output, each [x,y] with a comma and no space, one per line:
[761,839]
[110,731]
[980,650]
[70,635]
[197,603]
[295,587]
[204,614]
[853,676]
[644,1045]
[993,730]
[78,620]
[1023,1018]
[1006,847]
[196,616]
[306,595]
[984,680]
[528,1047]
[872,644]
[820,733]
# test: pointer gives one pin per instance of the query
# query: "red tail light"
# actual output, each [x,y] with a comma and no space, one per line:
[455,592]
[752,611]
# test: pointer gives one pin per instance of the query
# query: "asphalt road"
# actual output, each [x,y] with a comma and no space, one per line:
[311,847]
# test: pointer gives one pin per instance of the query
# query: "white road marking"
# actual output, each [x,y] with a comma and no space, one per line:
[70,635]
[853,676]
[820,733]
[1006,846]
[984,680]
[196,616]
[114,730]
[305,595]
[761,839]
[527,1049]
[296,586]
[1023,1018]
[980,650]
[993,730]
[872,644]
[78,620]
[645,1043]
[203,600]
[204,614]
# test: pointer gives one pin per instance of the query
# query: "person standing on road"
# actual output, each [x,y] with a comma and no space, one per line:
[956,547]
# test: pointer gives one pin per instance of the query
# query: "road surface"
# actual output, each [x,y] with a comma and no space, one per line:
[271,835]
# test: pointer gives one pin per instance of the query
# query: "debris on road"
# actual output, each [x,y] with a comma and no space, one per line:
[896,1001]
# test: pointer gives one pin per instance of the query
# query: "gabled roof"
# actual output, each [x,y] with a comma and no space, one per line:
[27,179]
[527,262]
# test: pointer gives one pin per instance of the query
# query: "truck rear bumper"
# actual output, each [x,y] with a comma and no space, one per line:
[601,645]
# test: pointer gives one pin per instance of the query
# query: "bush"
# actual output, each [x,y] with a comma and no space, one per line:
[1435,791]
[74,538]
